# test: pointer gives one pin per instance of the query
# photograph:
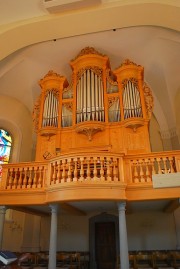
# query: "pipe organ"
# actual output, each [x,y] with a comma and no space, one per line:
[100,108]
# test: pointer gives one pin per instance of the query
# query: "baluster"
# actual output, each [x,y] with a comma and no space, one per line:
[88,170]
[64,171]
[172,165]
[108,169]
[135,176]
[75,170]
[53,178]
[148,178]
[82,169]
[165,170]
[39,182]
[16,177]
[159,165]
[152,165]
[142,179]
[69,179]
[30,179]
[34,185]
[44,181]
[95,169]
[58,172]
[102,169]
[19,185]
[25,178]
[10,178]
[115,170]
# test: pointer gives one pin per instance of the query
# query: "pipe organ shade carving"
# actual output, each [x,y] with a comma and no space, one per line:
[99,103]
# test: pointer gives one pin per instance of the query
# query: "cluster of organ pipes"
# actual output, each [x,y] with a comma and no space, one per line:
[90,97]
[51,110]
[131,101]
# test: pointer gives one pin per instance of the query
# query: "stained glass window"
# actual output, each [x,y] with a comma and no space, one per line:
[5,147]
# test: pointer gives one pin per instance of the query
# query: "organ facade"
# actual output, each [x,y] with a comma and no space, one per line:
[103,109]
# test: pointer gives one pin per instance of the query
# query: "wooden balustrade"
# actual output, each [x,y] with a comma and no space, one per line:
[23,176]
[89,167]
[86,169]
[141,168]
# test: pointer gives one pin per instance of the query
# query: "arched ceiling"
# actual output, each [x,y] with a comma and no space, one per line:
[147,32]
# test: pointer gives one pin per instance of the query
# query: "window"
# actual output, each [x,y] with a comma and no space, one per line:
[5,147]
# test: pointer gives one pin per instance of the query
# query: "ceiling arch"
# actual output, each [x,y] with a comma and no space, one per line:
[111,15]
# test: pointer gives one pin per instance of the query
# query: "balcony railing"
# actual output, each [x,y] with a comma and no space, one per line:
[141,168]
[89,168]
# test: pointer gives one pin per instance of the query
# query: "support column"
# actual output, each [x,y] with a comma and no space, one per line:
[53,237]
[2,219]
[124,255]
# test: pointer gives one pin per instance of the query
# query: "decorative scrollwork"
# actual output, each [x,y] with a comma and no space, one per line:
[149,101]
[54,91]
[112,100]
[68,105]
[88,50]
[70,86]
[109,78]
[98,71]
[52,73]
[128,62]
[90,128]
[132,80]
[36,113]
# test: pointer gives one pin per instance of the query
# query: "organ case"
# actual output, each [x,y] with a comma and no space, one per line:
[100,109]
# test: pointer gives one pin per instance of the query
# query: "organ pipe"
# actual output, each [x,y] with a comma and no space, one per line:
[50,112]
[90,97]
[131,101]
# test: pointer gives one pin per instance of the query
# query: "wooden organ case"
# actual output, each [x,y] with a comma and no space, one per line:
[100,110]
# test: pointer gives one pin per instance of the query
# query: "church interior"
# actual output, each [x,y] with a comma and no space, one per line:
[89,101]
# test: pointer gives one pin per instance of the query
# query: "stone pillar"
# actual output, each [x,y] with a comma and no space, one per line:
[2,219]
[124,255]
[53,237]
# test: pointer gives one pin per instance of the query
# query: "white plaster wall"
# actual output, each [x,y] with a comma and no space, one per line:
[146,231]
[12,237]
[17,120]
[154,134]
[151,230]
[73,233]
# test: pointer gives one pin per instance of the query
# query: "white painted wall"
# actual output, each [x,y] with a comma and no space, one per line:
[17,120]
[146,231]
[151,230]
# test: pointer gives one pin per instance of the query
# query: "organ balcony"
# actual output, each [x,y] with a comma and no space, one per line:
[92,176]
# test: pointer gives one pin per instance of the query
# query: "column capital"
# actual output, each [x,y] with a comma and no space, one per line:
[121,206]
[3,209]
[54,208]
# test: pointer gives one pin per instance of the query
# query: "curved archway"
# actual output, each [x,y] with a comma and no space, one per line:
[119,15]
